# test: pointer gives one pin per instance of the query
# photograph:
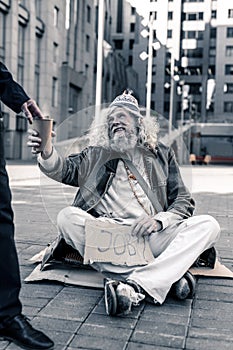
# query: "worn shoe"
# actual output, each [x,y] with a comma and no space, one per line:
[184,288]
[24,335]
[119,297]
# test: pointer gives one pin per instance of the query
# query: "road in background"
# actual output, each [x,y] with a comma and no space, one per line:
[198,178]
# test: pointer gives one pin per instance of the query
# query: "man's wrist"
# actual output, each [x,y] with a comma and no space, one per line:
[46,154]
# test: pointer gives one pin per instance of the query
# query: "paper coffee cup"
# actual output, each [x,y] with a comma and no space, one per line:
[44,128]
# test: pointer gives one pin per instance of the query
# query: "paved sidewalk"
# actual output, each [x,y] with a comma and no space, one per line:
[75,318]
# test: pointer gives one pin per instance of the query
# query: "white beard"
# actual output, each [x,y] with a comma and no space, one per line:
[123,143]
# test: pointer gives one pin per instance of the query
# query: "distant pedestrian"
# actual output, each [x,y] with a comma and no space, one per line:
[13,325]
[129,180]
[207,159]
[192,159]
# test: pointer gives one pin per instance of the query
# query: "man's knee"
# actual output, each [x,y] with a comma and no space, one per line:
[211,225]
[63,217]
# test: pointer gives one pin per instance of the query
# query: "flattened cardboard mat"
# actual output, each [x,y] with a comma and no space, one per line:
[86,277]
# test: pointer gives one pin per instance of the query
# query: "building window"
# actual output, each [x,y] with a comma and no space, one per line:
[119,16]
[191,34]
[200,35]
[133,10]
[131,44]
[154,68]
[86,70]
[194,53]
[132,27]
[194,88]
[170,15]
[229,69]
[130,60]
[54,92]
[88,14]
[212,51]
[228,88]
[155,53]
[230,32]
[55,16]
[2,35]
[228,107]
[153,88]
[21,41]
[213,33]
[230,13]
[169,33]
[118,44]
[229,51]
[166,106]
[194,16]
[55,52]
[213,14]
[37,69]
[154,14]
[87,43]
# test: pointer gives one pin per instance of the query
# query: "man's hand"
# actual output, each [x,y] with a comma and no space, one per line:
[31,110]
[144,226]
[34,142]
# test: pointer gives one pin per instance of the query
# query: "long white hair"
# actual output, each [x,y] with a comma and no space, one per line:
[147,127]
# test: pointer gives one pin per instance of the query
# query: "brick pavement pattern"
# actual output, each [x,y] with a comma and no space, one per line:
[75,318]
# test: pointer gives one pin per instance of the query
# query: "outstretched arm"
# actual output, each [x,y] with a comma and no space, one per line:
[14,96]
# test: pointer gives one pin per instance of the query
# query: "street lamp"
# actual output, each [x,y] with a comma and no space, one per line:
[149,56]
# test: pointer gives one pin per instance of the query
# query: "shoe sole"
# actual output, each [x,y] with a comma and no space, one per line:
[22,345]
[110,298]
[191,282]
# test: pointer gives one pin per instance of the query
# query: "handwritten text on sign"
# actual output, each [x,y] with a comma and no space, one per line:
[107,242]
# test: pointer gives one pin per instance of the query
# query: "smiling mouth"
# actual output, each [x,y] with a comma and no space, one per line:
[115,130]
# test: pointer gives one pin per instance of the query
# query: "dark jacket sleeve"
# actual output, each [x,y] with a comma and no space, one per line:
[11,93]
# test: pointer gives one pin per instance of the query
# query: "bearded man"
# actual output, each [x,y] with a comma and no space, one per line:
[110,191]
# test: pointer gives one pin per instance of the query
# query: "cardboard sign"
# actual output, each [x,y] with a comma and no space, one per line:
[107,242]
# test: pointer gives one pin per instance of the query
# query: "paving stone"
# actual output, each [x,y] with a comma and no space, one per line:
[164,317]
[161,327]
[90,342]
[211,333]
[40,290]
[106,331]
[211,322]
[212,305]
[75,314]
[138,346]
[158,339]
[200,344]
[118,322]
[59,337]
[36,302]
[52,323]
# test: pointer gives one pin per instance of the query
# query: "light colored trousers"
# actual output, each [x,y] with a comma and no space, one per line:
[175,249]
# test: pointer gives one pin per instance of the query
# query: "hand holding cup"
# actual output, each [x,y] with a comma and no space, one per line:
[40,136]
